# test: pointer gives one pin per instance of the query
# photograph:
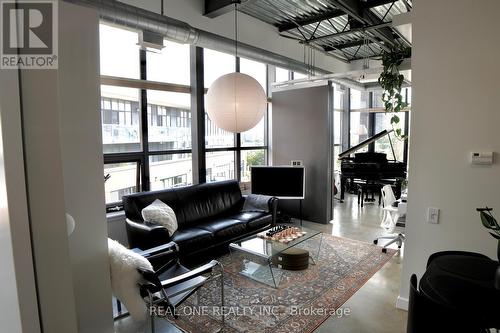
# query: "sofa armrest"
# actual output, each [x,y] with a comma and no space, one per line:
[145,235]
[273,209]
[272,205]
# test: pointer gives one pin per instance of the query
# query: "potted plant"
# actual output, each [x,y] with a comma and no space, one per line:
[490,223]
[391,80]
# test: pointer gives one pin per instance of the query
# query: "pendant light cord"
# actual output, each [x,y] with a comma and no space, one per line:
[236,59]
[236,29]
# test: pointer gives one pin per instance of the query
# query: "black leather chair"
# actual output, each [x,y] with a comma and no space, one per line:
[424,316]
[456,294]
[169,285]
[208,215]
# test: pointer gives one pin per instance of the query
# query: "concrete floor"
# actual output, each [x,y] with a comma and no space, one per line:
[372,308]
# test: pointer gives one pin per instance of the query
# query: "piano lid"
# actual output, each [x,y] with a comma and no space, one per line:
[364,144]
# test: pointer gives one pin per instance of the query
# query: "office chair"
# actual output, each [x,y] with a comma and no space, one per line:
[390,219]
[171,284]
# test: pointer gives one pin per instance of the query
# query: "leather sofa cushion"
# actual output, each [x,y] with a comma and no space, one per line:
[260,222]
[247,216]
[224,228]
[210,200]
[191,238]
[254,220]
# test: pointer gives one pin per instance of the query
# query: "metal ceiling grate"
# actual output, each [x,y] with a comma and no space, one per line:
[332,25]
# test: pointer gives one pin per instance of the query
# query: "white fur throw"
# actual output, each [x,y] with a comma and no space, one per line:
[161,213]
[125,278]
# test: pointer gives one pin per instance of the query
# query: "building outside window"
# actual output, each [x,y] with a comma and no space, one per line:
[383,122]
[282,74]
[359,116]
[227,151]
[162,159]
[338,109]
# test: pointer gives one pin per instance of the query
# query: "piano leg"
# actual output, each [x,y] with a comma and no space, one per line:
[342,187]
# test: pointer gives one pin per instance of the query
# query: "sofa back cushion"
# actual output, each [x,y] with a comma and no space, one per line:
[190,203]
[135,203]
[209,200]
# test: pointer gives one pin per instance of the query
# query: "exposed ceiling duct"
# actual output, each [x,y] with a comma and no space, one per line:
[136,18]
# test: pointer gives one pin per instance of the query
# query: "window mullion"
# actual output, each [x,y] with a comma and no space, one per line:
[144,124]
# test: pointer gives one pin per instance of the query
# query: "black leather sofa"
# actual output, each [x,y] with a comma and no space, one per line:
[208,215]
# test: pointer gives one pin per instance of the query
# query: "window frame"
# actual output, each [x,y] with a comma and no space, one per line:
[142,158]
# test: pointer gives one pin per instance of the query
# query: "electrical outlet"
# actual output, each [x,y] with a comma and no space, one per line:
[433,215]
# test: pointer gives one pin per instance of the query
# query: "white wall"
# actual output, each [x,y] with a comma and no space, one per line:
[82,164]
[250,30]
[18,300]
[39,89]
[455,62]
[61,123]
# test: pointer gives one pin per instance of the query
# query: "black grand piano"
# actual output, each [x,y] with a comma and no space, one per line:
[370,167]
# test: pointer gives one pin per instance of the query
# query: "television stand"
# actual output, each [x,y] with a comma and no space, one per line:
[300,211]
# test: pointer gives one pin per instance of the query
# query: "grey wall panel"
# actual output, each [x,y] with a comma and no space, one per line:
[301,131]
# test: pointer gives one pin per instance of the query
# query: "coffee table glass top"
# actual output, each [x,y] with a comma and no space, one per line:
[268,248]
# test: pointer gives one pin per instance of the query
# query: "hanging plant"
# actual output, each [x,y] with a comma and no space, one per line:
[391,81]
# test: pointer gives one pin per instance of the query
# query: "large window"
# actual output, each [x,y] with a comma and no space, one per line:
[338,109]
[119,54]
[251,158]
[217,64]
[169,120]
[220,166]
[257,70]
[227,152]
[170,65]
[383,145]
[120,117]
[139,157]
[298,76]
[369,118]
[122,179]
[383,122]
[171,170]
[359,117]
[146,117]
[282,74]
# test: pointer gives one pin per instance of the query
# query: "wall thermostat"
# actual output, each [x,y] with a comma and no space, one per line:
[482,158]
[297,162]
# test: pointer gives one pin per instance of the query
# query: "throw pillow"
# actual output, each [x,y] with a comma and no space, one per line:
[161,213]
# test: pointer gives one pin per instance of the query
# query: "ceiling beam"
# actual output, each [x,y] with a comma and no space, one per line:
[351,31]
[311,19]
[328,15]
[346,45]
[215,8]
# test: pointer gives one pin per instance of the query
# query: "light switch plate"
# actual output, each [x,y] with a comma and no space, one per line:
[433,215]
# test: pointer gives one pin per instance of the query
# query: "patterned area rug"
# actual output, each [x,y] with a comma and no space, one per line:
[303,300]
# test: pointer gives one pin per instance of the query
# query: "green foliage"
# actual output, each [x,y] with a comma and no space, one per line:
[489,222]
[391,81]
[256,158]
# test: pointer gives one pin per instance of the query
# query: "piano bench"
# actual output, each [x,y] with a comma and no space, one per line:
[363,189]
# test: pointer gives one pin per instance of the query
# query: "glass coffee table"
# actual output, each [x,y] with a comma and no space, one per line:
[259,255]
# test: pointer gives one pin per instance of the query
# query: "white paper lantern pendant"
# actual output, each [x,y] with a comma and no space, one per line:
[236,102]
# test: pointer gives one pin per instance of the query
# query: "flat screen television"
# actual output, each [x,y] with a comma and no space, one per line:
[283,182]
